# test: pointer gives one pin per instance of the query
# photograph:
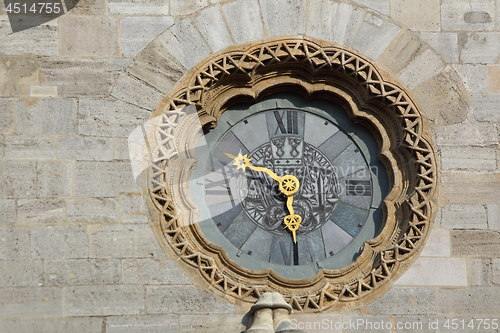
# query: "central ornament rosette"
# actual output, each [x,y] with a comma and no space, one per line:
[265,203]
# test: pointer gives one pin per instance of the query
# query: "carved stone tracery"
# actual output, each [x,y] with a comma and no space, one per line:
[314,69]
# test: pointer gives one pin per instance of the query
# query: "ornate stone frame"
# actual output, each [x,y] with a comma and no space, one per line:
[315,69]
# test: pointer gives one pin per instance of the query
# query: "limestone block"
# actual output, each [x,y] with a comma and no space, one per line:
[40,211]
[472,15]
[421,69]
[109,119]
[105,300]
[7,211]
[41,40]
[84,148]
[93,210]
[417,15]
[104,179]
[444,43]
[334,21]
[149,324]
[479,272]
[214,29]
[381,6]
[21,273]
[54,179]
[86,7]
[18,179]
[403,50]
[185,43]
[47,116]
[130,241]
[2,147]
[81,272]
[475,243]
[43,91]
[63,324]
[14,243]
[185,300]
[210,323]
[471,134]
[75,77]
[133,209]
[284,18]
[186,7]
[442,98]
[150,271]
[121,149]
[474,76]
[493,216]
[472,301]
[471,188]
[134,92]
[494,79]
[93,36]
[374,36]
[446,272]
[138,7]
[468,158]
[17,74]
[137,32]
[438,244]
[495,271]
[405,300]
[244,21]
[7,106]
[479,47]
[29,147]
[156,66]
[71,240]
[117,66]
[32,301]
[485,106]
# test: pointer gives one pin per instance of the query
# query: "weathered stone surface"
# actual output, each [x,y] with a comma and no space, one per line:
[442,98]
[54,179]
[479,272]
[494,79]
[493,216]
[14,243]
[137,32]
[150,271]
[41,40]
[17,74]
[185,300]
[374,36]
[472,301]
[7,106]
[468,158]
[104,300]
[71,240]
[43,91]
[474,76]
[417,15]
[75,77]
[156,66]
[93,210]
[495,271]
[110,119]
[444,43]
[470,134]
[29,148]
[475,243]
[485,106]
[86,7]
[243,19]
[49,325]
[421,69]
[104,179]
[438,244]
[40,211]
[94,36]
[8,211]
[471,188]
[134,92]
[185,43]
[130,241]
[479,47]
[47,116]
[446,272]
[117,66]
[84,148]
[403,300]
[403,50]
[214,29]
[31,301]
[133,209]
[186,7]
[334,21]
[21,273]
[138,7]
[478,15]
[121,149]
[149,324]
[382,6]
[18,179]
[210,323]
[81,272]
[284,18]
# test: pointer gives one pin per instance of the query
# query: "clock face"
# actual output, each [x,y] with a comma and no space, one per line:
[244,210]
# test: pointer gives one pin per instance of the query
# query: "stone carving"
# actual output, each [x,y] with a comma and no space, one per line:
[312,68]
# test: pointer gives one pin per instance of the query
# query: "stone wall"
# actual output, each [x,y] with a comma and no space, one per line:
[77,252]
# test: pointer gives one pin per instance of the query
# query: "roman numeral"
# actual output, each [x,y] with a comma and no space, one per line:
[292,122]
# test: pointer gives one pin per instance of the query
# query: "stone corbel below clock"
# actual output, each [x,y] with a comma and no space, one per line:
[313,69]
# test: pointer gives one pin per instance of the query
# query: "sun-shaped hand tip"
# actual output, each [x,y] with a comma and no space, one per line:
[241,161]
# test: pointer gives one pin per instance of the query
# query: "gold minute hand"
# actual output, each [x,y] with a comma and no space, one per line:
[242,162]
